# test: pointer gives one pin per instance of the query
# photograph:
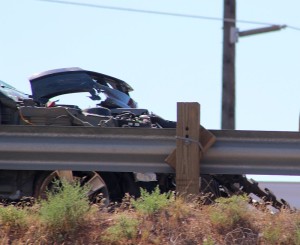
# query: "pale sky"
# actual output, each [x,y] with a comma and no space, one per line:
[166,59]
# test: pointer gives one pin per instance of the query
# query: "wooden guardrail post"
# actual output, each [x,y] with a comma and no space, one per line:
[187,148]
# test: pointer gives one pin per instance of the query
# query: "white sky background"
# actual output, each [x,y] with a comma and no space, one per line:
[165,59]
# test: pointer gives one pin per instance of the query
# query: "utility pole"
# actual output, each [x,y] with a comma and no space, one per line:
[230,38]
[228,79]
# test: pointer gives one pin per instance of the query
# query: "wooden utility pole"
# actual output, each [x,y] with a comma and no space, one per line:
[228,79]
[230,38]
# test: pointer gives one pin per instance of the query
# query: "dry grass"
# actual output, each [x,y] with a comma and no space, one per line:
[168,220]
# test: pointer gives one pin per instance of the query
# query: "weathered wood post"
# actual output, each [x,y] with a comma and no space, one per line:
[188,148]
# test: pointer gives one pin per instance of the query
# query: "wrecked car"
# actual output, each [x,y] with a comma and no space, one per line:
[109,105]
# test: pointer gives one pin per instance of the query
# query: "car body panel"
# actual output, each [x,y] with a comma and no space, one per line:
[49,84]
[8,91]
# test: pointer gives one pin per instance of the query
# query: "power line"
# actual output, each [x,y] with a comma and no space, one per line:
[293,27]
[165,13]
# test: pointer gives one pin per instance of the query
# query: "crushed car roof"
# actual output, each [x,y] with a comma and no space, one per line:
[48,84]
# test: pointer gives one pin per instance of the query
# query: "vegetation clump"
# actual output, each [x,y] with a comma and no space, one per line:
[230,213]
[65,207]
[12,216]
[150,203]
[124,229]
[67,217]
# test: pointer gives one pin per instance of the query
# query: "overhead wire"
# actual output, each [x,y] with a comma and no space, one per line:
[167,13]
[293,27]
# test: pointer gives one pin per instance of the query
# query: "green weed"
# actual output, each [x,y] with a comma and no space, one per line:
[124,228]
[272,234]
[208,241]
[150,203]
[229,213]
[65,208]
[12,216]
[297,236]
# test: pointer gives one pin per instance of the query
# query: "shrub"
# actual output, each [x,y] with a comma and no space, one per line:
[12,216]
[65,207]
[282,228]
[272,234]
[229,213]
[297,236]
[124,228]
[179,209]
[208,241]
[150,203]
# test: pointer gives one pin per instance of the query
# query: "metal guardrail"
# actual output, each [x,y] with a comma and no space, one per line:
[144,150]
[85,148]
[254,152]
